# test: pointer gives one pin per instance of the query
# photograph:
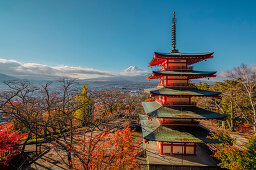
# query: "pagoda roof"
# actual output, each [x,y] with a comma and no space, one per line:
[180,91]
[184,54]
[193,57]
[153,131]
[155,109]
[189,73]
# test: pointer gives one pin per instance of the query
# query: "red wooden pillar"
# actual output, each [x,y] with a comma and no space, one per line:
[161,148]
[171,148]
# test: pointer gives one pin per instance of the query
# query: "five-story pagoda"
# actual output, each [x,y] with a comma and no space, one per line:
[171,120]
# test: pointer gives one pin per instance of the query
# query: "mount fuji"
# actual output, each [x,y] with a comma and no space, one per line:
[133,68]
[134,71]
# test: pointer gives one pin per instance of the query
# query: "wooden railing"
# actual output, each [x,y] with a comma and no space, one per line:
[182,103]
[175,85]
[180,68]
[178,84]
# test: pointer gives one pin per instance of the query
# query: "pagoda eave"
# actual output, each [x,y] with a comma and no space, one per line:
[187,117]
[153,131]
[180,92]
[190,55]
[160,58]
[155,109]
[183,95]
[160,75]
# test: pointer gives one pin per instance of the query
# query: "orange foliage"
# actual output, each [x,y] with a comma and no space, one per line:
[231,158]
[107,150]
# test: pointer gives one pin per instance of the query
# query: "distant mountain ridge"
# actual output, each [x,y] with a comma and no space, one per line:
[4,77]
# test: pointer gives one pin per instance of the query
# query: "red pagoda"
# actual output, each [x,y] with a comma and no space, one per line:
[171,120]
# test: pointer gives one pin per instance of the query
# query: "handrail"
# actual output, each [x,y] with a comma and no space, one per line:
[182,103]
[179,68]
[175,85]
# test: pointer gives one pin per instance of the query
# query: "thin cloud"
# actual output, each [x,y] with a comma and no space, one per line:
[40,71]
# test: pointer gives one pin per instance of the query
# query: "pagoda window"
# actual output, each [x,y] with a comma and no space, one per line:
[167,149]
[190,149]
[177,148]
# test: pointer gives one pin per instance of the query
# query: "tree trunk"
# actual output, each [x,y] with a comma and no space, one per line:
[71,144]
[25,143]
[223,124]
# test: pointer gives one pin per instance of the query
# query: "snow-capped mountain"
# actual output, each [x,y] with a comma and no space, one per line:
[134,71]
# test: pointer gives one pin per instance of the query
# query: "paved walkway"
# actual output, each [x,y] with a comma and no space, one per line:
[51,160]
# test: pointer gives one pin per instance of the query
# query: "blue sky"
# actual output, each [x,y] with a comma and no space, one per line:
[114,34]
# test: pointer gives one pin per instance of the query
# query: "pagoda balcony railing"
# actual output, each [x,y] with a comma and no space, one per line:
[175,85]
[176,103]
[182,103]
[178,84]
[177,68]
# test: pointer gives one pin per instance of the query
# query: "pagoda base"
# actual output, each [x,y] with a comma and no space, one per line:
[154,157]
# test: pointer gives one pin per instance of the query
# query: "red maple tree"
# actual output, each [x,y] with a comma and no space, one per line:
[9,140]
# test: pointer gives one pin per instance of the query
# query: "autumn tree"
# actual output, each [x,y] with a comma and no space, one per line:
[247,79]
[23,108]
[49,111]
[85,104]
[110,99]
[114,149]
[251,153]
[230,101]
[233,158]
[9,142]
[44,110]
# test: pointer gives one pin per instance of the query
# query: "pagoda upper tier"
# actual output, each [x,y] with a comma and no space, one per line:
[169,60]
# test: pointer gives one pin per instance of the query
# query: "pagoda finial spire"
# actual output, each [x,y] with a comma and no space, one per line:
[174,50]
